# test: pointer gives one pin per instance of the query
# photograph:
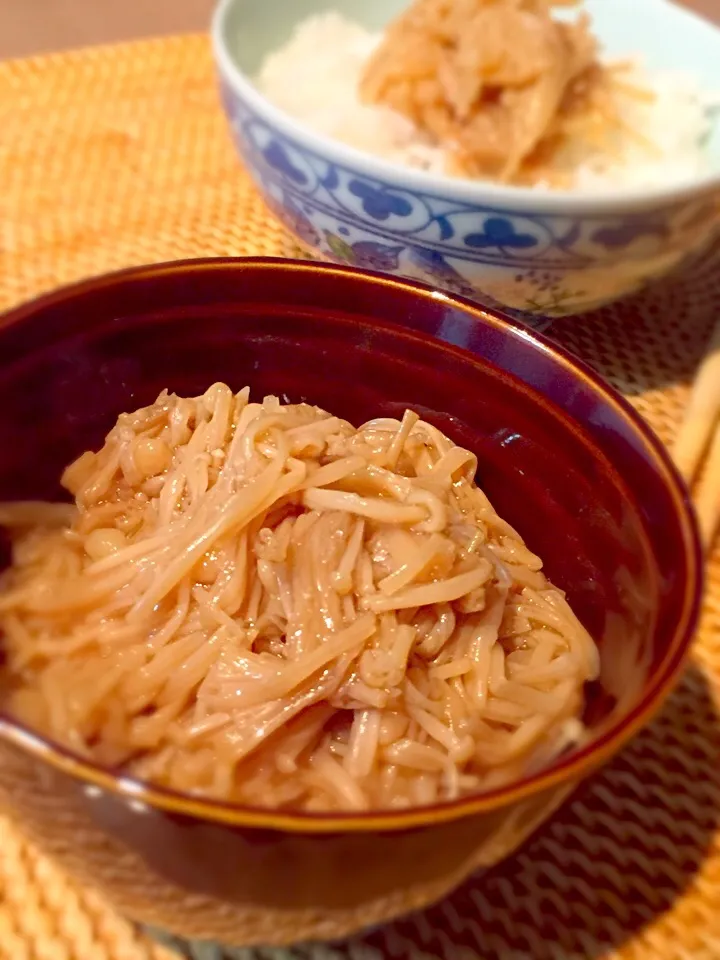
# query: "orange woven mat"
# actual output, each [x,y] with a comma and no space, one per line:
[119,155]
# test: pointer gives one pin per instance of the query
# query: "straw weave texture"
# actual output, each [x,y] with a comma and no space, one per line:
[119,155]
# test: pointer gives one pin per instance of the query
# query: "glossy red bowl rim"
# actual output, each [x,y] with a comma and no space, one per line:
[568,770]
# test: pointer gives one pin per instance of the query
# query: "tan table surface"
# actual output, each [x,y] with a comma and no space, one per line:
[38,26]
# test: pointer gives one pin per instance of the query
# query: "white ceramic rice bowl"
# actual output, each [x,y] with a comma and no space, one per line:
[546,253]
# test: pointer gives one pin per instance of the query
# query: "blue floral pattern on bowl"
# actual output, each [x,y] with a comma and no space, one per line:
[528,262]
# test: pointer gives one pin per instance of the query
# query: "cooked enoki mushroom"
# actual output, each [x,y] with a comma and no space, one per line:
[261,603]
[494,80]
[697,448]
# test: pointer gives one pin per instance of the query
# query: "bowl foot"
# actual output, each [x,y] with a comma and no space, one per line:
[187,949]
[202,949]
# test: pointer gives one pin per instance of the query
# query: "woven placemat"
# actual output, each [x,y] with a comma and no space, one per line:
[119,155]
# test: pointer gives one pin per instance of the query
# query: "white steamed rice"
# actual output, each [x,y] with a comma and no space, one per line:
[315,78]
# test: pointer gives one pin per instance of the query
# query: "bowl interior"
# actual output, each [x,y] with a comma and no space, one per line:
[667,36]
[560,456]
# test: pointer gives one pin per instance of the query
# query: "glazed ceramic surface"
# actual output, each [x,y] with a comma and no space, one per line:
[562,456]
[535,253]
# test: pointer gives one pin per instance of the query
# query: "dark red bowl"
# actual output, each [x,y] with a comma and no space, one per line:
[562,456]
